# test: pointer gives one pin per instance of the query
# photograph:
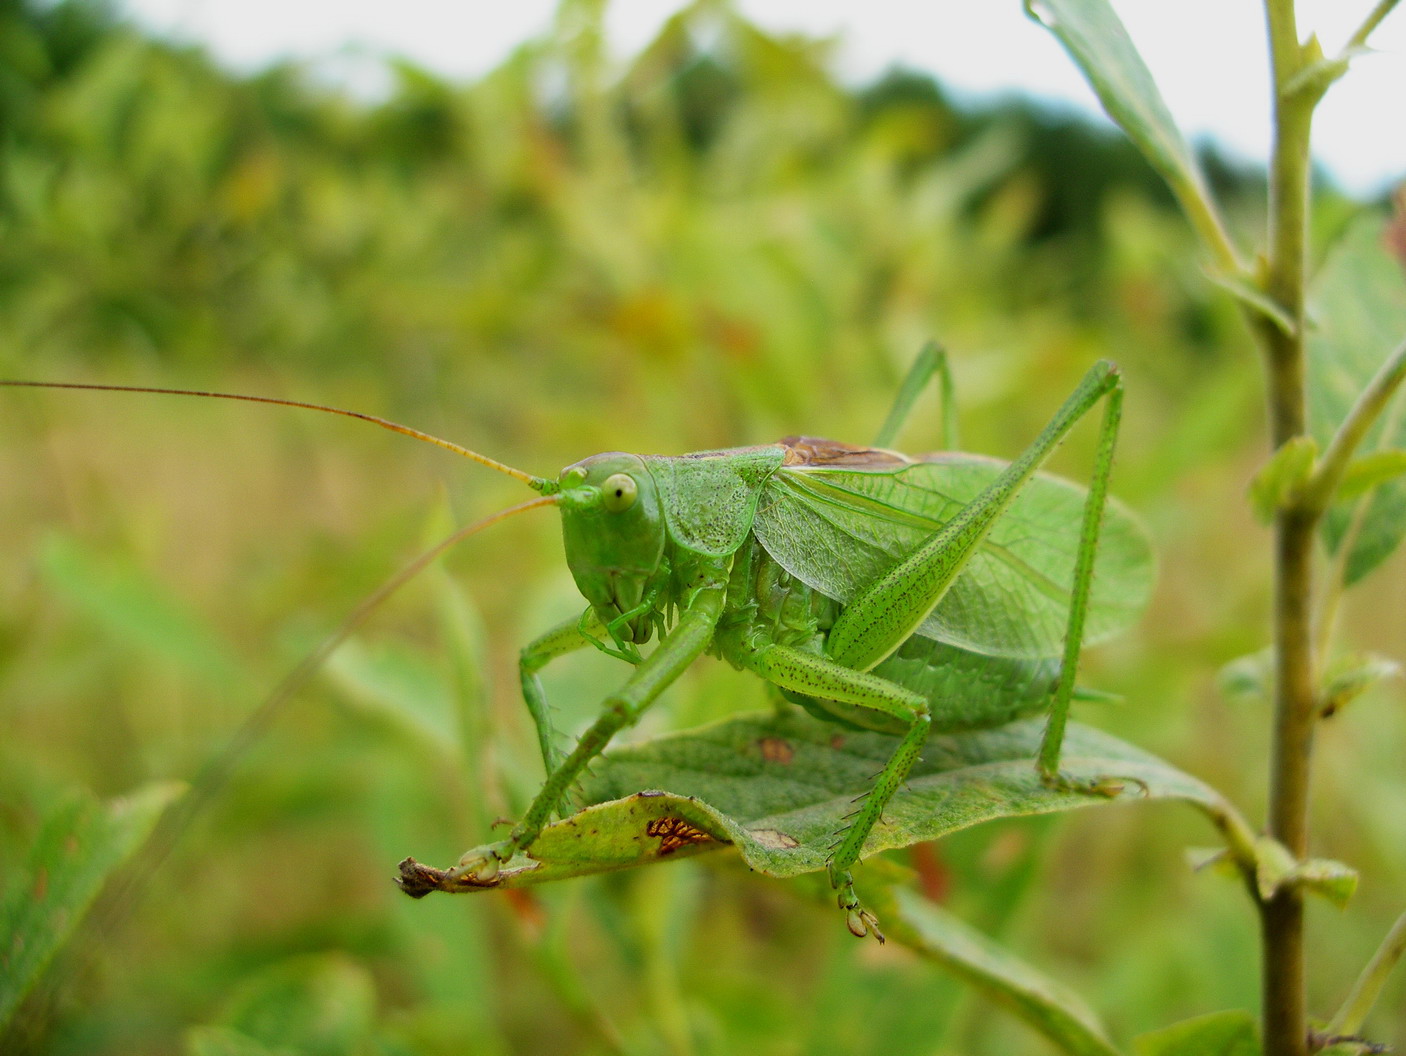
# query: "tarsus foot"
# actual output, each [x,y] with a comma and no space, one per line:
[481,866]
[1108,786]
[858,919]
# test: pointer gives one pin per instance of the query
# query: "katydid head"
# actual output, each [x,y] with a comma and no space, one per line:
[614,532]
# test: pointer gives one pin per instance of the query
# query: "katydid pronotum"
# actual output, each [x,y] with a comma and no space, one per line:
[879,591]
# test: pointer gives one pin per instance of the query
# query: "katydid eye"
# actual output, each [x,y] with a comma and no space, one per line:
[618,492]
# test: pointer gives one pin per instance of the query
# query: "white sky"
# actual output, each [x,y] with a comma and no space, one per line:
[1207,55]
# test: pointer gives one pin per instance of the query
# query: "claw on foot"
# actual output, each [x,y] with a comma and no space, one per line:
[861,923]
[480,868]
[475,872]
[858,919]
[1113,787]
[1109,786]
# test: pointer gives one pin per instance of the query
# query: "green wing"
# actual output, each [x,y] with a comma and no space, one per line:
[837,528]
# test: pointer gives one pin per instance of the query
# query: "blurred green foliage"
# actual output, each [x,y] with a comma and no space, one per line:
[716,243]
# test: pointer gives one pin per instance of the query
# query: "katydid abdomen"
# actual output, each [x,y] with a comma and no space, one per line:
[965,690]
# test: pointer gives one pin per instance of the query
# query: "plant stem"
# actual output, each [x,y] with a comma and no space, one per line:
[1369,984]
[1359,39]
[1281,916]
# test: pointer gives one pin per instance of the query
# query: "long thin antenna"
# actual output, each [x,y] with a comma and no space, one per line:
[542,484]
[217,770]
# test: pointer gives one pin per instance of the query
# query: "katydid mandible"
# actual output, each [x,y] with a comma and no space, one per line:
[879,591]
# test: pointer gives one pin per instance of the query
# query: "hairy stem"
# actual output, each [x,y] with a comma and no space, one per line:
[1281,916]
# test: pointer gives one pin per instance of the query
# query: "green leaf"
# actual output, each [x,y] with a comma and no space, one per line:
[1367,472]
[129,602]
[1274,866]
[81,844]
[1286,472]
[1095,38]
[1349,678]
[1358,306]
[1249,677]
[1247,292]
[1213,859]
[1230,1033]
[1045,1005]
[1352,1048]
[223,1041]
[1332,880]
[314,1005]
[399,685]
[778,788]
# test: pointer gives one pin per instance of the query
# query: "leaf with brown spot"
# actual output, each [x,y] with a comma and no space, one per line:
[82,843]
[783,820]
[776,750]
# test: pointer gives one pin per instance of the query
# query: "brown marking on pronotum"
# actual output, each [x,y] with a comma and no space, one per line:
[674,833]
[776,750]
[818,451]
[837,741]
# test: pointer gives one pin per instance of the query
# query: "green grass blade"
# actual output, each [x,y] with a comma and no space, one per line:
[1041,1002]
[127,601]
[399,685]
[319,1004]
[81,845]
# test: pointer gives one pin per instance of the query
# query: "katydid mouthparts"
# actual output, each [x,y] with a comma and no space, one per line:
[878,591]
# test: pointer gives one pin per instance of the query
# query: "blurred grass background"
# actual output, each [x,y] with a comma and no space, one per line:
[714,245]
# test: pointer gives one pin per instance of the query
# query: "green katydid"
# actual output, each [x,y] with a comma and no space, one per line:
[878,591]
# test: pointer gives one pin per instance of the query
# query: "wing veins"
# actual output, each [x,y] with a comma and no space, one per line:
[856,502]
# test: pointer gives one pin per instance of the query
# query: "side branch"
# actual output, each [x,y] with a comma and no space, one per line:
[1318,493]
[1369,984]
[1374,19]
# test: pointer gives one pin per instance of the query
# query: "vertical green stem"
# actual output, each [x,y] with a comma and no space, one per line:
[1281,917]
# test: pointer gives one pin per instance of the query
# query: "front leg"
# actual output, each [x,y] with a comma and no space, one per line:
[559,641]
[679,648]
